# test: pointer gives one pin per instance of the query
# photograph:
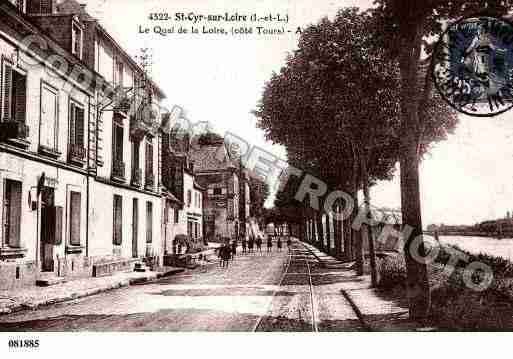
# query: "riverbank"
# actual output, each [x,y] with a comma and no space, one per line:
[455,306]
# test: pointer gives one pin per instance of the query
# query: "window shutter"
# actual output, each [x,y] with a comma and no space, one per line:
[149,158]
[7,91]
[14,213]
[117,229]
[79,126]
[72,120]
[149,222]
[20,100]
[75,211]
[58,213]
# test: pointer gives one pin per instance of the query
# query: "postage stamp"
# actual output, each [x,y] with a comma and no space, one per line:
[473,63]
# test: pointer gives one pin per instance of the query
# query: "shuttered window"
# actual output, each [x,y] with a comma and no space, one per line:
[177,215]
[49,113]
[149,222]
[76,124]
[59,211]
[75,212]
[12,213]
[135,154]
[118,142]
[118,220]
[14,92]
[149,158]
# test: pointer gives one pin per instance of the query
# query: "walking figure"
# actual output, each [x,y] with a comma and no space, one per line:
[269,244]
[289,244]
[251,243]
[259,243]
[244,245]
[279,244]
[234,249]
[202,262]
[225,254]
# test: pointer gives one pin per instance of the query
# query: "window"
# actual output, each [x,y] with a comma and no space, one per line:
[118,220]
[135,154]
[74,218]
[14,104]
[149,158]
[76,40]
[149,222]
[12,213]
[177,215]
[218,191]
[118,142]
[76,125]
[189,228]
[49,112]
[189,198]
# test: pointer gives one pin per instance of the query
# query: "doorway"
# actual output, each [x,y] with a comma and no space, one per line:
[47,233]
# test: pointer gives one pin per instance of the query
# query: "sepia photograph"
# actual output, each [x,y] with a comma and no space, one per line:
[254,167]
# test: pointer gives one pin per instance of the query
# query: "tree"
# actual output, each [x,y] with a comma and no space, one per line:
[406,27]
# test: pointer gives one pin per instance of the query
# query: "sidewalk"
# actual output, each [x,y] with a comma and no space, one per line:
[377,311]
[34,297]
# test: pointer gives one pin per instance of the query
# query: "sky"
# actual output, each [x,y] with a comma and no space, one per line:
[464,180]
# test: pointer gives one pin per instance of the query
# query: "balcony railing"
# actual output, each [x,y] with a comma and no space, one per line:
[76,154]
[136,177]
[15,132]
[118,171]
[149,182]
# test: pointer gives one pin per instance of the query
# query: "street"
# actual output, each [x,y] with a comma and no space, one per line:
[277,291]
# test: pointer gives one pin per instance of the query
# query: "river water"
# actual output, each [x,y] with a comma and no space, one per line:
[497,247]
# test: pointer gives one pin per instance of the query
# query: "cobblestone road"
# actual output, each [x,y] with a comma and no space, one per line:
[280,291]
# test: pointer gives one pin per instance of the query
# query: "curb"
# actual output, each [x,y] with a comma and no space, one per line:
[357,310]
[15,308]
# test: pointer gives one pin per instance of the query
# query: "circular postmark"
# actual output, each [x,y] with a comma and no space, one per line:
[473,66]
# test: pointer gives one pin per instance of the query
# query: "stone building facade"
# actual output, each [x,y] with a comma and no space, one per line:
[179,180]
[79,170]
[226,204]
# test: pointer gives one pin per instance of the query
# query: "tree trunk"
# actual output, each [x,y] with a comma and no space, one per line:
[348,245]
[418,282]
[367,228]
[328,234]
[320,231]
[356,237]
[336,233]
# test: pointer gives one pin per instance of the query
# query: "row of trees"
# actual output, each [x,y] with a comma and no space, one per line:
[351,102]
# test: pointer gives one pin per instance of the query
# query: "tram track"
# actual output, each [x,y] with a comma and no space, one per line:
[295,257]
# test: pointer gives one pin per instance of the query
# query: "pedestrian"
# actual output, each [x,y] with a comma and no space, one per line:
[202,262]
[225,255]
[234,249]
[269,244]
[259,243]
[289,244]
[279,244]
[251,243]
[244,245]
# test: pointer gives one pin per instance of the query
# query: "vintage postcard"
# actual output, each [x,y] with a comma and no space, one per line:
[254,166]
